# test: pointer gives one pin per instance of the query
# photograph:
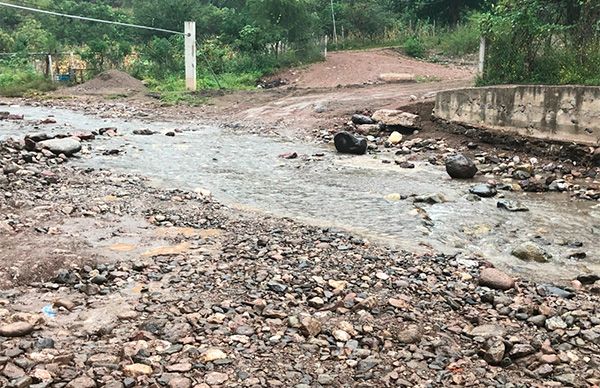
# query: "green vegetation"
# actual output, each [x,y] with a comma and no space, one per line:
[19,79]
[240,41]
[540,41]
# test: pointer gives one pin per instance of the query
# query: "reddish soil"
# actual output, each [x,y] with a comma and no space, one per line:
[344,68]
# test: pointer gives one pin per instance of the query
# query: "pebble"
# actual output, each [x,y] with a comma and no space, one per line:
[216,378]
[136,370]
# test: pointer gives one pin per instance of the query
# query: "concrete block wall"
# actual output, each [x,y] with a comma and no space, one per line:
[560,113]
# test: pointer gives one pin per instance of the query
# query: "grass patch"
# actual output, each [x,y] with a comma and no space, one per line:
[22,81]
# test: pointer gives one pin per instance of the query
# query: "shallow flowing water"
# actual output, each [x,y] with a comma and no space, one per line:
[341,191]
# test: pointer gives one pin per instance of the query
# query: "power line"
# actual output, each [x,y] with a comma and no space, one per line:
[88,19]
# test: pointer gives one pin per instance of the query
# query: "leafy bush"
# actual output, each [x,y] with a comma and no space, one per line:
[414,47]
[461,40]
[18,79]
[531,41]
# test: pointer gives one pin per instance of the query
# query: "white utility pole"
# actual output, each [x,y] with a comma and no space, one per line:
[334,26]
[50,69]
[190,56]
[481,56]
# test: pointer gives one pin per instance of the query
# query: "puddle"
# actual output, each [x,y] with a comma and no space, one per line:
[341,191]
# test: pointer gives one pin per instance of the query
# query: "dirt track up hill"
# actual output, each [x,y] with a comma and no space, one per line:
[344,68]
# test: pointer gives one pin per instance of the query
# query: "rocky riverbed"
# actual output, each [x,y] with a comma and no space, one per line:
[114,282]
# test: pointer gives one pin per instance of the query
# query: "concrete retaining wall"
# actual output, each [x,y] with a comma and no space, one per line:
[561,113]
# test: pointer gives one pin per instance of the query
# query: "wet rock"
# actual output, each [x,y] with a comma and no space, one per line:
[588,278]
[396,118]
[547,289]
[39,136]
[170,134]
[144,132]
[484,190]
[362,119]
[430,199]
[512,206]
[17,329]
[496,279]
[289,155]
[529,251]
[405,164]
[460,167]
[346,143]
[67,146]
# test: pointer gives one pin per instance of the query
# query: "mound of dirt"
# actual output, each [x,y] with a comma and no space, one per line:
[110,82]
[366,67]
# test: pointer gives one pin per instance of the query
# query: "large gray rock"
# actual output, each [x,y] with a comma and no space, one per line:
[68,146]
[396,118]
[460,167]
[529,251]
[346,143]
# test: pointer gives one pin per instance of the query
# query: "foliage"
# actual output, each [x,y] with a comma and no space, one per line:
[414,47]
[538,41]
[17,79]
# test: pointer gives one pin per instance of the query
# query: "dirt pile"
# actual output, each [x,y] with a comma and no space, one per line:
[110,82]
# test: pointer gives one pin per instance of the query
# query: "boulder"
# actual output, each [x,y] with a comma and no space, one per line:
[346,143]
[396,118]
[529,251]
[484,190]
[68,146]
[460,167]
[512,206]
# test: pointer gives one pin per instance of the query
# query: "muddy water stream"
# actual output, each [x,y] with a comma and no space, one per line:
[341,191]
